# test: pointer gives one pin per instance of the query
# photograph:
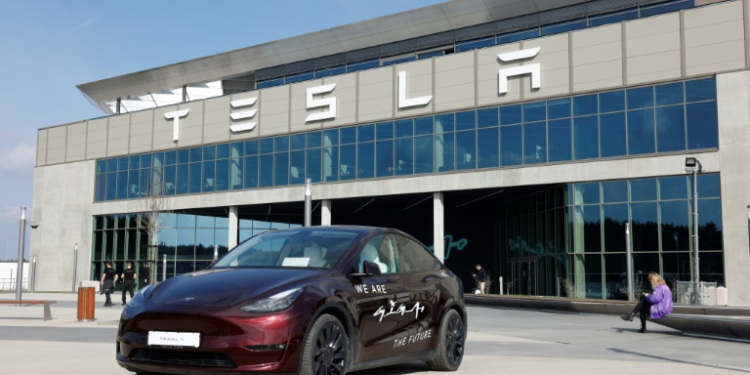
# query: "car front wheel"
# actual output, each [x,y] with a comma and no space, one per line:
[326,350]
[452,338]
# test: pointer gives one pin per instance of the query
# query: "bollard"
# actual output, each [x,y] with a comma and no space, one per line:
[86,301]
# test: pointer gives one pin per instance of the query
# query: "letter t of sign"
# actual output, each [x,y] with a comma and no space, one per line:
[534,69]
[176,116]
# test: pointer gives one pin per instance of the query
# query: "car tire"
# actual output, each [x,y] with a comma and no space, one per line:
[451,343]
[327,344]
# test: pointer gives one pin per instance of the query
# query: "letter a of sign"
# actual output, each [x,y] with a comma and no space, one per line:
[403,102]
[534,69]
[319,103]
[243,115]
[175,115]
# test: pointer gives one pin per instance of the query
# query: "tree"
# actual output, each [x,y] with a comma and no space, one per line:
[154,210]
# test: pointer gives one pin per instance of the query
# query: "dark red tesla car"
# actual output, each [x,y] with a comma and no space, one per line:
[320,300]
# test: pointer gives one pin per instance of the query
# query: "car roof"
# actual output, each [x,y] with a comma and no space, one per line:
[348,228]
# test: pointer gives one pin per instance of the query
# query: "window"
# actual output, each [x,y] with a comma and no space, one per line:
[383,251]
[416,257]
[475,44]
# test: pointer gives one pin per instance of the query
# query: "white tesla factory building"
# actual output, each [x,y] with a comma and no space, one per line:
[524,135]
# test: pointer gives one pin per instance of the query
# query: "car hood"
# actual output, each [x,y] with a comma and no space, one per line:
[224,287]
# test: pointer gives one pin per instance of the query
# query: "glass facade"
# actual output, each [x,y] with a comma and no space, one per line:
[639,121]
[188,240]
[571,241]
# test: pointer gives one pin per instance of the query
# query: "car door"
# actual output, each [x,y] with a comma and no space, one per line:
[382,322]
[425,285]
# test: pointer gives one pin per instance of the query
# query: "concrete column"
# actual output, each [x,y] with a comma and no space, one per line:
[234,225]
[325,212]
[438,226]
[733,91]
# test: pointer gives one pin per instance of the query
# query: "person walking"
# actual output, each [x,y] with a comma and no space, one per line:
[109,278]
[654,305]
[128,283]
[480,277]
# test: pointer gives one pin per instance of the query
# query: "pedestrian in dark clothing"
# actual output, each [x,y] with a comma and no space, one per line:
[652,306]
[109,278]
[480,276]
[128,283]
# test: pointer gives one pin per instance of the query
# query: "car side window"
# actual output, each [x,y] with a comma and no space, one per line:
[416,257]
[383,251]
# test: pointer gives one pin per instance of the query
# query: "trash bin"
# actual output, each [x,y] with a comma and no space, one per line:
[86,300]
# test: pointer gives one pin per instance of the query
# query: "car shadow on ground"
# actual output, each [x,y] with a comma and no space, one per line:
[403,369]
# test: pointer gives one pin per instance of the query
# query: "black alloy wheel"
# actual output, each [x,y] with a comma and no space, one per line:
[327,348]
[455,340]
[451,343]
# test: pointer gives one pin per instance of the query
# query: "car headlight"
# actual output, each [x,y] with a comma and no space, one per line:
[275,302]
[139,298]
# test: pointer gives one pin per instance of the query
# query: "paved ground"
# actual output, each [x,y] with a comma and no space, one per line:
[501,341]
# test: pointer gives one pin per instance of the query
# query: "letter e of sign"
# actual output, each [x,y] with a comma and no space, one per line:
[244,114]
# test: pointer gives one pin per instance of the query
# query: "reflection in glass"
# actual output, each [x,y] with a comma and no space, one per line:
[645,227]
[675,226]
[535,142]
[702,125]
[405,155]
[710,224]
[641,132]
[466,150]
[511,145]
[586,137]
[488,148]
[384,153]
[615,217]
[365,160]
[560,140]
[423,155]
[613,134]
[444,151]
[670,128]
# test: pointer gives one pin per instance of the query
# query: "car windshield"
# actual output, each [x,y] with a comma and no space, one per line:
[303,248]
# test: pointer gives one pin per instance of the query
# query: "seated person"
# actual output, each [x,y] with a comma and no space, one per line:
[315,254]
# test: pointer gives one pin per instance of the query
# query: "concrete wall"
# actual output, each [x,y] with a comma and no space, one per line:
[734,154]
[62,208]
[692,43]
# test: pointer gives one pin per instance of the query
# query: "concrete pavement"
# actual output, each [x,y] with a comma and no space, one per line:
[500,341]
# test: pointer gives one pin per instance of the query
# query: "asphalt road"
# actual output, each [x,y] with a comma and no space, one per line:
[500,341]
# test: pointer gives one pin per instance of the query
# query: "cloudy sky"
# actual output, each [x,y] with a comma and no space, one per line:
[50,46]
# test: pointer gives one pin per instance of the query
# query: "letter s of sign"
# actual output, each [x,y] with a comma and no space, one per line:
[243,114]
[319,103]
[176,116]
[534,69]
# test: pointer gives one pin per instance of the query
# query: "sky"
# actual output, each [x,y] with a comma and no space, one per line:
[48,47]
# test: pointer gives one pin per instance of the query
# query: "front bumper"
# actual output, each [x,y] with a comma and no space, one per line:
[229,343]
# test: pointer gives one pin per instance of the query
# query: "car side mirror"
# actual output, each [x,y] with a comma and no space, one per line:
[370,268]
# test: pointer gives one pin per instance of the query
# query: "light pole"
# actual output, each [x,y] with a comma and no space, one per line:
[692,165]
[21,248]
[308,202]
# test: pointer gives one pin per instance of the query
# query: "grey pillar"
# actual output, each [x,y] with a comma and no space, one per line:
[696,260]
[438,226]
[629,261]
[325,212]
[234,224]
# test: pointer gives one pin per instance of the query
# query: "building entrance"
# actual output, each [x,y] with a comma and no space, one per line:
[524,276]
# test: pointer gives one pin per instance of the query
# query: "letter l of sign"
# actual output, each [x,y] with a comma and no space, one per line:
[242,115]
[176,116]
[403,102]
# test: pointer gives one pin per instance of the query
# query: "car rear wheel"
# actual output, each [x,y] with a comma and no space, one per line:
[451,341]
[326,350]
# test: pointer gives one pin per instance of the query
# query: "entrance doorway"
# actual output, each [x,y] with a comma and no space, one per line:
[524,276]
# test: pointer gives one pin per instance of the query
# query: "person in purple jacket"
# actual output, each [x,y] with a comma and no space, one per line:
[655,305]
